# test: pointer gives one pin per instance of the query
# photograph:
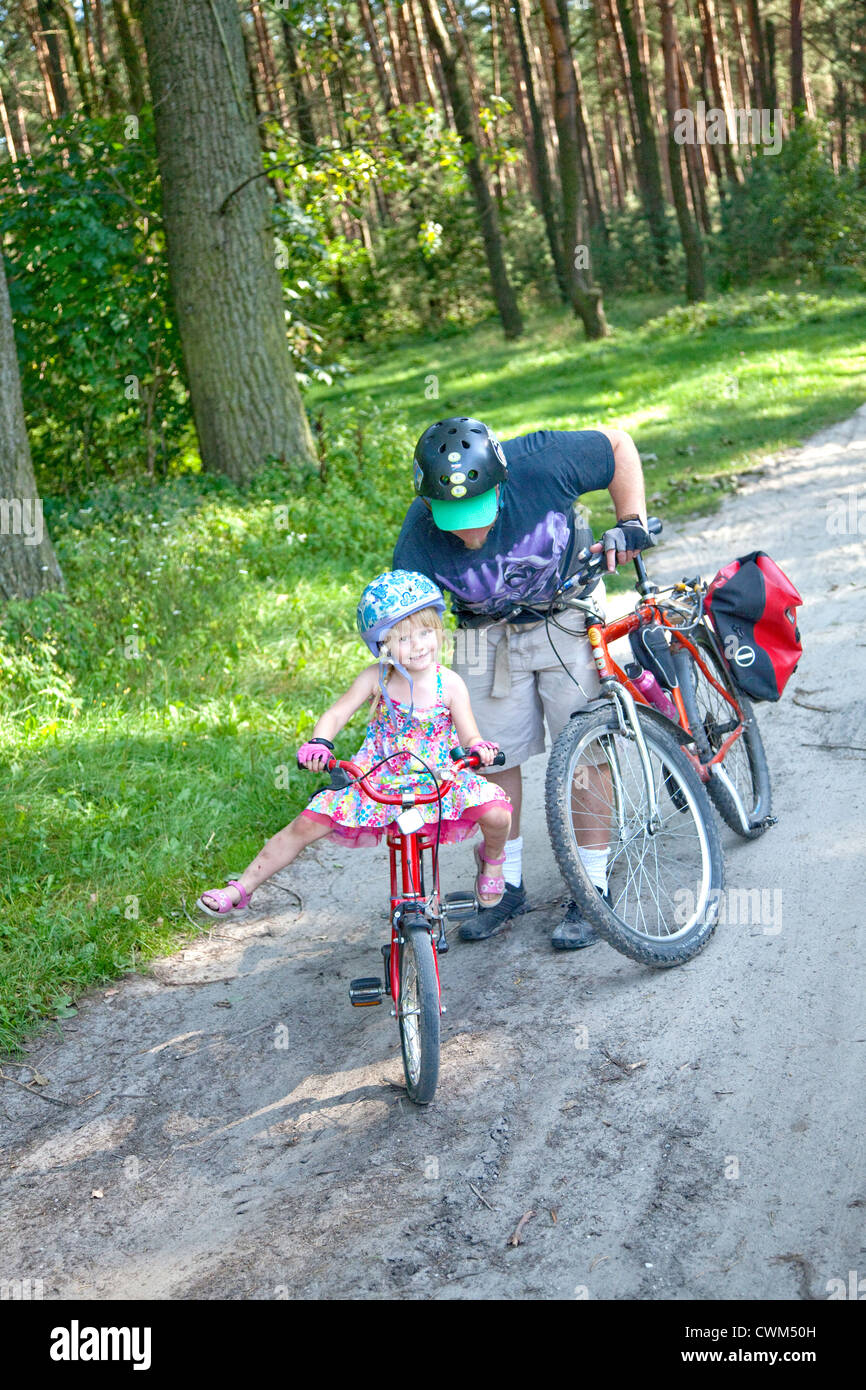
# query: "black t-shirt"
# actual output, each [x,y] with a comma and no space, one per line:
[530,549]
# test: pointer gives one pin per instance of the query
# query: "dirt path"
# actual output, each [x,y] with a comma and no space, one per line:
[245,1128]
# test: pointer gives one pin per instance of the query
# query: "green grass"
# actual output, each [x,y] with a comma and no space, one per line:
[149,717]
[707,400]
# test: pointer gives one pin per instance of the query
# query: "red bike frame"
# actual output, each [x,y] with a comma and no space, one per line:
[601,634]
[406,857]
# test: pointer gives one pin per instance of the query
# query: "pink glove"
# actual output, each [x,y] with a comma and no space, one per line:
[481,747]
[310,753]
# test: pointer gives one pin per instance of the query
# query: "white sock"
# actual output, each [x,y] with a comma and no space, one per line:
[513,866]
[595,863]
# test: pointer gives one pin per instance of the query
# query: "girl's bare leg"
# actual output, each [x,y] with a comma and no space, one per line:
[280,850]
[495,825]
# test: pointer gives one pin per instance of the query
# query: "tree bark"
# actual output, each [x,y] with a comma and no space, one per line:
[227,290]
[303,113]
[772,90]
[542,163]
[48,20]
[72,34]
[383,74]
[586,298]
[135,74]
[28,565]
[491,233]
[691,239]
[798,90]
[712,58]
[759,55]
[646,152]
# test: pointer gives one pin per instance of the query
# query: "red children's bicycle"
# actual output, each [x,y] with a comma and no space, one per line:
[418,913]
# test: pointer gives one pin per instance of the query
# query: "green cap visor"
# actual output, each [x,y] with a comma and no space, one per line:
[466,514]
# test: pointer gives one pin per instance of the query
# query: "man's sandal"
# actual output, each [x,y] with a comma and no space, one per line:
[488,889]
[223,897]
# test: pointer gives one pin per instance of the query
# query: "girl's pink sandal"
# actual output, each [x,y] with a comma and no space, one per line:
[485,884]
[223,897]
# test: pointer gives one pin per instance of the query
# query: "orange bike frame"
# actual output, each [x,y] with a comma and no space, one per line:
[601,634]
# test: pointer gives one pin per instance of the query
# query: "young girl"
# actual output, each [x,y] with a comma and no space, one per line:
[417,706]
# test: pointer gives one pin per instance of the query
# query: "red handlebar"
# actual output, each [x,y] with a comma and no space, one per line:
[473,760]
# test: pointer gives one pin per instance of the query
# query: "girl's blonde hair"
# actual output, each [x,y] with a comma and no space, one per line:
[426,617]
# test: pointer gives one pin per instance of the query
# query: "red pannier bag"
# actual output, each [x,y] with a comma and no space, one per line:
[753,607]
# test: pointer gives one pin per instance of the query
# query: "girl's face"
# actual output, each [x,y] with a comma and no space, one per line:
[416,649]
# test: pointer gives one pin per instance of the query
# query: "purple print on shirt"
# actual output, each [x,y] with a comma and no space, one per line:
[530,571]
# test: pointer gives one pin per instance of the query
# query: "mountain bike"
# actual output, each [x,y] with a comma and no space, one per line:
[625,777]
[418,912]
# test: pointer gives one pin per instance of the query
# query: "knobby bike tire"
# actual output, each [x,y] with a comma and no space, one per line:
[757,799]
[419,1033]
[681,793]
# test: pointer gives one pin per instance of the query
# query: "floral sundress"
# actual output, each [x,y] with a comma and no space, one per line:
[357,822]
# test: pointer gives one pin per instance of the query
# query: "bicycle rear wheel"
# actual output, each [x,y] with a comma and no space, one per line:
[665,875]
[418,1011]
[712,721]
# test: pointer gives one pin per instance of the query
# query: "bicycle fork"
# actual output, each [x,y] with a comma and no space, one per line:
[629,727]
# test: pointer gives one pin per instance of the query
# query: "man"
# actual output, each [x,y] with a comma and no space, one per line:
[496,526]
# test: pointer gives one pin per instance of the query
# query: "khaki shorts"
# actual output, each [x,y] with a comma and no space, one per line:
[515,682]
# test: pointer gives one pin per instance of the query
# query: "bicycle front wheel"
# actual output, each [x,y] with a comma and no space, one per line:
[418,1012]
[664,869]
[712,720]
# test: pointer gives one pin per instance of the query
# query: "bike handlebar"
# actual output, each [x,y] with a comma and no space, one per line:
[595,566]
[356,774]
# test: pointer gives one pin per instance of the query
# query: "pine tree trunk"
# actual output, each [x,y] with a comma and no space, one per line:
[383,74]
[48,20]
[646,152]
[74,39]
[798,90]
[542,163]
[691,239]
[276,95]
[216,209]
[303,113]
[743,59]
[131,55]
[712,52]
[8,133]
[519,94]
[586,298]
[759,55]
[491,234]
[772,89]
[28,565]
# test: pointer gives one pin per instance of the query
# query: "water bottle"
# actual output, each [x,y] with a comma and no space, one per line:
[646,683]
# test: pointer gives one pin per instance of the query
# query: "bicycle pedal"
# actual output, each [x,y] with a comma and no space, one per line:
[458,906]
[765,822]
[365,991]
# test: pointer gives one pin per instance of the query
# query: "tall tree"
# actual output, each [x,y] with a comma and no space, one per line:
[646,151]
[542,163]
[798,90]
[28,565]
[689,234]
[227,291]
[586,298]
[491,233]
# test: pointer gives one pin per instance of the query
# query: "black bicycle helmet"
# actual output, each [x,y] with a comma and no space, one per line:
[458,465]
